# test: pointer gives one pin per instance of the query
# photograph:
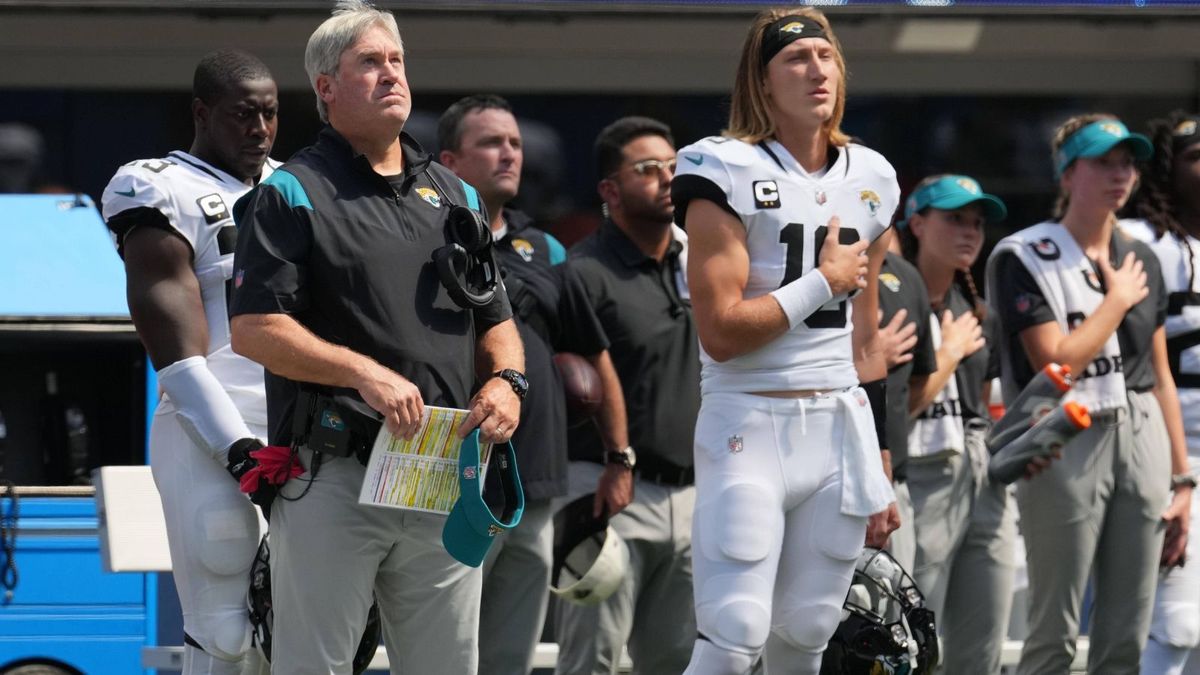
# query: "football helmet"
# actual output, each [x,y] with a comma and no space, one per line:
[886,628]
[258,601]
[590,558]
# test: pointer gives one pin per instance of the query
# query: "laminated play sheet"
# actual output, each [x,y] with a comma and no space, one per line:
[420,474]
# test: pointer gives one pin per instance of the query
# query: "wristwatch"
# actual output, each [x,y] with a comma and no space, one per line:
[515,379]
[626,458]
[1181,479]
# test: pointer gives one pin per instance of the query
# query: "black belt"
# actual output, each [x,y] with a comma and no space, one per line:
[664,473]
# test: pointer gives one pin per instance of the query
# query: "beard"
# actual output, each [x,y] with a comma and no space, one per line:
[650,212]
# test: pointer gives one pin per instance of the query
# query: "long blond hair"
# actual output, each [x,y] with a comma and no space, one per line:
[1061,134]
[749,114]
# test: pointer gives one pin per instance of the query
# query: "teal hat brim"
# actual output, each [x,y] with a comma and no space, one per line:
[471,527]
[949,193]
[1092,141]
[994,210]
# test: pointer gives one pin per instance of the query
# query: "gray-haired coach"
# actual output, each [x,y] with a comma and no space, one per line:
[337,295]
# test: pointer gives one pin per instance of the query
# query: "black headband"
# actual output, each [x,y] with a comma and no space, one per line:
[1185,133]
[785,31]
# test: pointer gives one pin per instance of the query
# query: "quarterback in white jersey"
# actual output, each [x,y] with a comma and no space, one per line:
[174,229]
[787,226]
[785,210]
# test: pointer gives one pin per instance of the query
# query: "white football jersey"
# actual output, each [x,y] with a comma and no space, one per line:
[1178,259]
[785,211]
[196,198]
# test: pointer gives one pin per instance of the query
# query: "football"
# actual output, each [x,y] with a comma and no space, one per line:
[581,386]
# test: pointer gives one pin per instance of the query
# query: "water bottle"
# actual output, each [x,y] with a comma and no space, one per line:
[1039,397]
[1043,439]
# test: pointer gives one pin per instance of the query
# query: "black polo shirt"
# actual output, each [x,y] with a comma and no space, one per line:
[981,366]
[652,342]
[901,287]
[348,254]
[549,309]
[1020,305]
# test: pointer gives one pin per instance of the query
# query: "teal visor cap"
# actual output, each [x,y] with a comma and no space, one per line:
[1098,138]
[472,526]
[953,192]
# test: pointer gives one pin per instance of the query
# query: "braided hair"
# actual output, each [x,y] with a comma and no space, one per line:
[1155,202]
[909,244]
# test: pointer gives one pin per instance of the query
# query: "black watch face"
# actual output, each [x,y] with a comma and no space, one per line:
[521,380]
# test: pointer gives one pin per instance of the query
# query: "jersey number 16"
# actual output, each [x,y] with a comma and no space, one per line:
[833,314]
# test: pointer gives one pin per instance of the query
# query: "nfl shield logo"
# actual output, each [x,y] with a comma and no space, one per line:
[735,444]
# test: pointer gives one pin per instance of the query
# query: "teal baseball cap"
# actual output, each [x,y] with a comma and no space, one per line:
[472,525]
[953,192]
[1098,138]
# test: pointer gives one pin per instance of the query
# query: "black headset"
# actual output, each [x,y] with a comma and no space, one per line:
[467,263]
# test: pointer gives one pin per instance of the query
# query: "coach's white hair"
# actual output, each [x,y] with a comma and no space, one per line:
[351,18]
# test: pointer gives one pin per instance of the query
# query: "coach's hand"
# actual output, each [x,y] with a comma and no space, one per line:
[394,397]
[614,492]
[881,525]
[496,410]
[844,266]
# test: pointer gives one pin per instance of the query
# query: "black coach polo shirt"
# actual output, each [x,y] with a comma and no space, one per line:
[347,252]
[652,342]
[549,306]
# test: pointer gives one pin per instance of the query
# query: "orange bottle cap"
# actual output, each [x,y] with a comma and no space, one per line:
[1077,414]
[1059,375]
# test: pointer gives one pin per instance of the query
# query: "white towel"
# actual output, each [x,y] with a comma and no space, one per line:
[865,488]
[938,432]
[1070,286]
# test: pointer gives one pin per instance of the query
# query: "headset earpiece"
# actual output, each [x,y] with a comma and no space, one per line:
[468,229]
[467,264]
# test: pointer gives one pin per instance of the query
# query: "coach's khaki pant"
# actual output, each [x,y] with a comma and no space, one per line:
[1097,510]
[329,555]
[965,530]
[516,579]
[652,610]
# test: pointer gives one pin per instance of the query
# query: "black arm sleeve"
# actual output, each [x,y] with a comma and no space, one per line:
[686,188]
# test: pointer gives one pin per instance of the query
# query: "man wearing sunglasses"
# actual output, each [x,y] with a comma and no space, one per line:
[633,268]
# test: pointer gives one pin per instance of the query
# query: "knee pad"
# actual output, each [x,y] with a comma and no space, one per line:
[733,612]
[709,658]
[223,636]
[808,627]
[1178,625]
[196,661]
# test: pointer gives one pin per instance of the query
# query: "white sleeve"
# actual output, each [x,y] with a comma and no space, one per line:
[701,172]
[135,188]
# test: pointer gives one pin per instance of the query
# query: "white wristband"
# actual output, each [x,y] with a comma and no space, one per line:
[802,297]
[203,407]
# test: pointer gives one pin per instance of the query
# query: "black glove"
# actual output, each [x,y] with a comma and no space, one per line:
[241,463]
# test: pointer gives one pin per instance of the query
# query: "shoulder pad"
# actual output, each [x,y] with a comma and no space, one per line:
[135,186]
[870,161]
[728,151]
